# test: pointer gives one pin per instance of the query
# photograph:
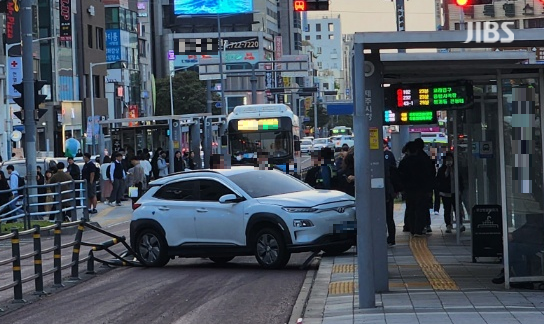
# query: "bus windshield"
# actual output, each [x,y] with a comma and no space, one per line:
[273,144]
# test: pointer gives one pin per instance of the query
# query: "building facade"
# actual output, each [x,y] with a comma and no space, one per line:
[324,38]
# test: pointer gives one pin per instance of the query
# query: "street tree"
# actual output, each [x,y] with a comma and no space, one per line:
[189,94]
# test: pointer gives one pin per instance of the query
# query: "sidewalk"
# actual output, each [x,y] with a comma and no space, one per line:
[442,286]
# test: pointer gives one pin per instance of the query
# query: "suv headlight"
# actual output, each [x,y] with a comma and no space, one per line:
[302,223]
[299,209]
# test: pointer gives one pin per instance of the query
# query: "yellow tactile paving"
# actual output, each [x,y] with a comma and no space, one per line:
[343,268]
[341,287]
[435,273]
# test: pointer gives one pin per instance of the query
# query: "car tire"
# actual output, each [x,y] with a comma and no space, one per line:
[221,260]
[152,248]
[337,250]
[270,249]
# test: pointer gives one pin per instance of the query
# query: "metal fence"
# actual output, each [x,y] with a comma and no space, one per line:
[58,200]
[38,252]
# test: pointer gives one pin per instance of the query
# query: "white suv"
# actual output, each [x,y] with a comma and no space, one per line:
[220,214]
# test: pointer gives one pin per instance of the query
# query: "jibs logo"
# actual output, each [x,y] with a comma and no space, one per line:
[490,32]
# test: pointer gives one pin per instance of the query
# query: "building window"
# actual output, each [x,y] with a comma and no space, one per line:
[326,86]
[141,48]
[331,27]
[317,27]
[134,21]
[319,50]
[307,27]
[112,18]
[331,36]
[96,86]
[317,36]
[100,38]
[307,37]
[90,36]
[122,19]
[533,23]
[320,65]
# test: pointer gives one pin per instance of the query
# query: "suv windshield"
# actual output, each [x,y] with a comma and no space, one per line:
[320,141]
[263,183]
[306,143]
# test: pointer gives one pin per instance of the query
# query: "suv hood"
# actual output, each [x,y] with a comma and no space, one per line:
[310,198]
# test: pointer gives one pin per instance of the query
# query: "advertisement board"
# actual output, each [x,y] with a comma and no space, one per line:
[211,7]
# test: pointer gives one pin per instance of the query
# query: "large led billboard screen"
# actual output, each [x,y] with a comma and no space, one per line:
[207,7]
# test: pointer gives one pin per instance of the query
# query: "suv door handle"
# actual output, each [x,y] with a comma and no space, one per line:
[164,208]
[202,210]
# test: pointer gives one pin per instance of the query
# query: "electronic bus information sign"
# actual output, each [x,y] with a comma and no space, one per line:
[409,117]
[258,124]
[435,96]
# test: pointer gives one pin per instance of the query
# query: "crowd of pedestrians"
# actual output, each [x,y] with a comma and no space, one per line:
[418,178]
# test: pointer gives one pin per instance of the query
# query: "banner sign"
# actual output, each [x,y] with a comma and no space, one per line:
[210,46]
[65,15]
[13,26]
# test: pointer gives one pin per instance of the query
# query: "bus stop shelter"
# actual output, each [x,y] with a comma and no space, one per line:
[504,118]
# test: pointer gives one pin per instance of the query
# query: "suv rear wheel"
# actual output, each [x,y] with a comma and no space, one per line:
[152,248]
[270,249]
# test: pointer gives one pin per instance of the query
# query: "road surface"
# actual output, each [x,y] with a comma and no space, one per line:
[186,291]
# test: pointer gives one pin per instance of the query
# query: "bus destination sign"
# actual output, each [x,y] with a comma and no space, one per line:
[258,124]
[433,96]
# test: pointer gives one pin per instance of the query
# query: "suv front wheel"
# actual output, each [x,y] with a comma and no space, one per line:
[270,249]
[152,248]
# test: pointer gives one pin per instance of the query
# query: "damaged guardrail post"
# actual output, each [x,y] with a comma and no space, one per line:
[75,253]
[90,263]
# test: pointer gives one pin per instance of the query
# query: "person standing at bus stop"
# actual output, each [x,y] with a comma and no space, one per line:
[89,173]
[118,176]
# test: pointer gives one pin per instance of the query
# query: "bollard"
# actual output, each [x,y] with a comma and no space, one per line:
[38,268]
[59,217]
[75,253]
[16,254]
[57,262]
[90,263]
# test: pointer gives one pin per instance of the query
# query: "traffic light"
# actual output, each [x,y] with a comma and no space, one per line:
[463,3]
[306,92]
[311,5]
[38,99]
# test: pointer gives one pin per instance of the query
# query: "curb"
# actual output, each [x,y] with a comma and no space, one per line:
[315,307]
[304,294]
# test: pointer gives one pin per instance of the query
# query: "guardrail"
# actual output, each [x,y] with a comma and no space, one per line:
[65,198]
[56,270]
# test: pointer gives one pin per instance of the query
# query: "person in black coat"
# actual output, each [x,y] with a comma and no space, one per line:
[417,182]
[179,164]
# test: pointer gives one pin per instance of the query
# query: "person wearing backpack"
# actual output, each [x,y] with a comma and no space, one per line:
[15,182]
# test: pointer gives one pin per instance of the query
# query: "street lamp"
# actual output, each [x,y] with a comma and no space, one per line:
[91,65]
[170,121]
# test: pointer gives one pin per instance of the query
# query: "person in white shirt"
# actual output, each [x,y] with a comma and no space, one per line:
[147,167]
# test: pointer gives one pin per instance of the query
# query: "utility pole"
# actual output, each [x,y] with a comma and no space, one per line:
[28,83]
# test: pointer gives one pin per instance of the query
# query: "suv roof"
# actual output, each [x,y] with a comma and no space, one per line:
[226,172]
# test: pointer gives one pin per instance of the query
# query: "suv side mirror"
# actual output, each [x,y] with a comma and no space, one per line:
[230,198]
